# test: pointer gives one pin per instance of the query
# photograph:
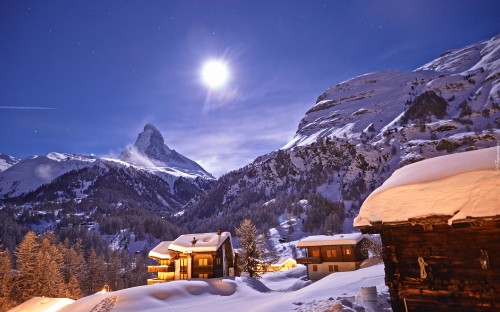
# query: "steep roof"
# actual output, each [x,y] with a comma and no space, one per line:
[460,185]
[204,242]
[161,251]
[330,240]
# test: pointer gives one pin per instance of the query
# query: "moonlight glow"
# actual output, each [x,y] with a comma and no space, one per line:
[215,74]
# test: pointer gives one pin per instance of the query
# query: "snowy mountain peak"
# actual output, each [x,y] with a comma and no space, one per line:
[150,151]
[484,54]
[150,139]
[7,161]
[370,105]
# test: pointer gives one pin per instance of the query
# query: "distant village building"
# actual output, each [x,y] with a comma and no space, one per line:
[327,254]
[201,255]
[439,221]
[283,264]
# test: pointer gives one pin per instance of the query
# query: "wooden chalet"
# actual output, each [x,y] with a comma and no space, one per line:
[327,254]
[201,255]
[439,221]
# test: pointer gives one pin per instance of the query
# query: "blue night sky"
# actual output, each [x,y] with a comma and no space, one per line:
[85,76]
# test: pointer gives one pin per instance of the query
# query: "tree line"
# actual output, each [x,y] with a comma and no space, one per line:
[43,265]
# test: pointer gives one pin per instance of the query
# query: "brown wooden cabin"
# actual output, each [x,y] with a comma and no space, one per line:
[328,254]
[201,255]
[440,233]
[461,264]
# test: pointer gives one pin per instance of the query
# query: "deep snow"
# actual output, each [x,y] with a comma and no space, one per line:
[459,185]
[277,291]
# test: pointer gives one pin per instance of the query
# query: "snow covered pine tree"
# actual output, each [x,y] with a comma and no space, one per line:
[249,256]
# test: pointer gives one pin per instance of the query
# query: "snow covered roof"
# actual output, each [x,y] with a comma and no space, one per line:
[282,261]
[329,240]
[43,304]
[205,242]
[460,185]
[161,251]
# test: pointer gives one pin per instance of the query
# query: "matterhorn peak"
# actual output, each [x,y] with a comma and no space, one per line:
[150,150]
[150,139]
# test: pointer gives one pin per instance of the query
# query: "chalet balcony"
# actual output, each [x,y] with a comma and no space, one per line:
[160,268]
[203,269]
[309,260]
[152,281]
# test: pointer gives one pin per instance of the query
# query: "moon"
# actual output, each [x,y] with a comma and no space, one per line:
[215,74]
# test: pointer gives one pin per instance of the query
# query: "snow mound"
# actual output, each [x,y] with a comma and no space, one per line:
[274,292]
[459,185]
[38,304]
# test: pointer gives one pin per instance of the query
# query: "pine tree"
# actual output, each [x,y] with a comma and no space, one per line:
[74,269]
[95,273]
[50,280]
[249,257]
[125,281]
[5,280]
[138,275]
[77,265]
[25,281]
[73,289]
[113,270]
[267,253]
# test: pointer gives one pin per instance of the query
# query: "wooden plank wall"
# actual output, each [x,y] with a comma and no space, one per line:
[456,280]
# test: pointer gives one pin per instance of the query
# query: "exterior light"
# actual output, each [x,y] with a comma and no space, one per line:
[105,289]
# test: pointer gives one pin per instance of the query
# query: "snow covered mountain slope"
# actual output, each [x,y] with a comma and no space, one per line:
[7,161]
[142,179]
[150,151]
[361,130]
[374,102]
[30,173]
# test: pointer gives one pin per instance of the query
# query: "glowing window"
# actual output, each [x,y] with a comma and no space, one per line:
[202,262]
[347,251]
[331,253]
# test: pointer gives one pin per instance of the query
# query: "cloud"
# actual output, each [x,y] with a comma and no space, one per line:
[224,144]
[219,99]
[135,157]
[44,172]
[27,107]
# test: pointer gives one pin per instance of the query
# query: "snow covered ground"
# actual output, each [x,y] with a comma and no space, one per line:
[277,291]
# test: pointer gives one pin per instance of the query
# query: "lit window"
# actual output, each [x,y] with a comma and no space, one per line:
[331,253]
[218,261]
[315,252]
[202,275]
[202,262]
[348,251]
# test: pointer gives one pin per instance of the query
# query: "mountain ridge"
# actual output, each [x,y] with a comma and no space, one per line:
[37,179]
